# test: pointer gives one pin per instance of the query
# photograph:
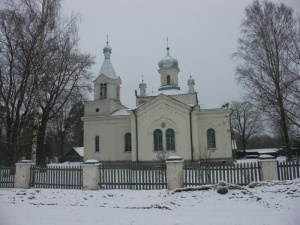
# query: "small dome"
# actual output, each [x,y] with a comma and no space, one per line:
[143,84]
[191,80]
[107,51]
[107,48]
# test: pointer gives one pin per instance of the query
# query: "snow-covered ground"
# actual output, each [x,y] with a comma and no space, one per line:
[273,203]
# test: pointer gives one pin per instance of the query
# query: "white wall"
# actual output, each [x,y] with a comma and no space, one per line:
[219,121]
[111,132]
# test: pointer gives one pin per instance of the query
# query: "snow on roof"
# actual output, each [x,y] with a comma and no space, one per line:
[263,151]
[120,112]
[211,106]
[168,92]
[79,150]
[108,70]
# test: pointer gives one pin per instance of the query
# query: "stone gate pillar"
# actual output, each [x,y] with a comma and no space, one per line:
[91,174]
[22,177]
[174,172]
[268,169]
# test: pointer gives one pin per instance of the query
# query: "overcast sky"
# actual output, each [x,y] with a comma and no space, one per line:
[202,36]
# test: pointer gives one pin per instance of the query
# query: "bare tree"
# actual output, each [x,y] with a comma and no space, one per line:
[16,81]
[43,68]
[245,121]
[267,69]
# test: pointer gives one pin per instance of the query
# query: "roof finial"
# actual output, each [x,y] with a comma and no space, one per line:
[142,78]
[168,45]
[107,39]
[190,73]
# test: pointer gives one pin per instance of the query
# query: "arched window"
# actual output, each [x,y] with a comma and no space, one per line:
[128,142]
[157,140]
[97,144]
[211,138]
[168,80]
[103,90]
[170,139]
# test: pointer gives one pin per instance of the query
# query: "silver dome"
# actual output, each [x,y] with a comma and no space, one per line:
[107,51]
[168,62]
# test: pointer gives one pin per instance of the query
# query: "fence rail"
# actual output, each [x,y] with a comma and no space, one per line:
[137,176]
[7,177]
[56,177]
[288,170]
[242,174]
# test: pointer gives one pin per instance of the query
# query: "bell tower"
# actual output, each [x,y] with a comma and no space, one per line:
[168,70]
[108,84]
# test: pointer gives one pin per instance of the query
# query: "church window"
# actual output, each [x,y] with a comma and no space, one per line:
[170,139]
[127,142]
[157,140]
[211,138]
[97,144]
[103,90]
[168,80]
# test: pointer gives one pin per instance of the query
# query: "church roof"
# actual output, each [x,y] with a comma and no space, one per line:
[168,92]
[108,70]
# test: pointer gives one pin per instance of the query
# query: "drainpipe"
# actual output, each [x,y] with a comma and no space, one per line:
[234,156]
[191,134]
[136,136]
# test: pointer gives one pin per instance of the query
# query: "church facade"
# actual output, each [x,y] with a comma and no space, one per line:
[168,123]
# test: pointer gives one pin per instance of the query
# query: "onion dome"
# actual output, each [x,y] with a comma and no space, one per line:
[143,84]
[107,51]
[168,61]
[191,81]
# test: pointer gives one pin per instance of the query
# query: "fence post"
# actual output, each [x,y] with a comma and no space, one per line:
[91,174]
[174,172]
[268,169]
[22,176]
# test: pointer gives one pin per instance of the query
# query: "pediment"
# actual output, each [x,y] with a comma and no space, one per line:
[163,102]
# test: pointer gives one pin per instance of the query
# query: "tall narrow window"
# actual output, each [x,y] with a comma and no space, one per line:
[170,139]
[97,144]
[168,80]
[211,138]
[103,89]
[128,142]
[157,140]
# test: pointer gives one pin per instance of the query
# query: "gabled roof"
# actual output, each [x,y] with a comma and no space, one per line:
[79,150]
[168,98]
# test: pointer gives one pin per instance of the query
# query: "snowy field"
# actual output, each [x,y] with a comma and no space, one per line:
[273,203]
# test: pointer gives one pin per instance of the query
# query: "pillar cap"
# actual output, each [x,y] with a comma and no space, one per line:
[91,162]
[24,161]
[174,158]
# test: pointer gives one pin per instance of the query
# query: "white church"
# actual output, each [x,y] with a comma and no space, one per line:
[169,123]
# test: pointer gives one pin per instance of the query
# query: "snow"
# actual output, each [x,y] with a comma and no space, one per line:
[262,151]
[266,157]
[279,159]
[91,161]
[79,150]
[121,112]
[168,92]
[211,106]
[267,203]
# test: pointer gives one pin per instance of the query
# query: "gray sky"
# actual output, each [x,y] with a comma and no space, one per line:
[202,36]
